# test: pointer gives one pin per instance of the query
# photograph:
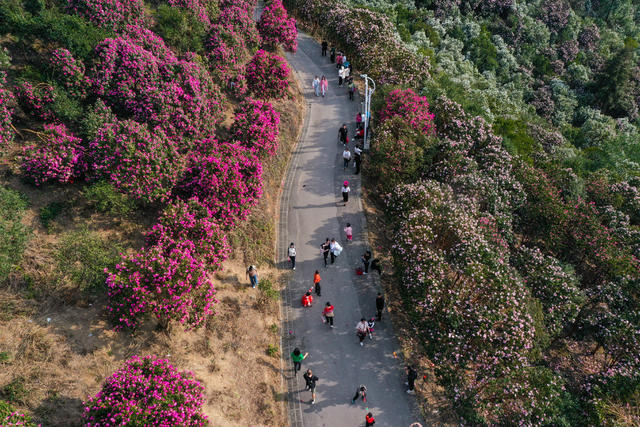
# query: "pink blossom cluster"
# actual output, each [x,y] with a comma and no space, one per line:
[17,419]
[226,51]
[138,75]
[276,28]
[256,127]
[267,75]
[411,107]
[140,162]
[238,16]
[6,111]
[110,14]
[225,177]
[57,157]
[147,391]
[69,72]
[36,100]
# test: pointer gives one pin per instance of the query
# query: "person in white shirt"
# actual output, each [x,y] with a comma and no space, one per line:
[346,156]
[316,86]
[292,255]
[345,192]
[362,329]
[340,75]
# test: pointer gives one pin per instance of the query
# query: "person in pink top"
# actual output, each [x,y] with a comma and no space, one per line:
[324,85]
[349,232]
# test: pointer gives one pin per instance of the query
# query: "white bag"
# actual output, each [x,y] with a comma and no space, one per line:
[337,249]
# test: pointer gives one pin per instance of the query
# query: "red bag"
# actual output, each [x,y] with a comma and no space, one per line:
[359,271]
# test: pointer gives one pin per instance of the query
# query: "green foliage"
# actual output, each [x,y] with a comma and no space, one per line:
[14,234]
[515,137]
[180,28]
[266,288]
[50,212]
[14,391]
[103,197]
[66,108]
[5,357]
[82,256]
[484,52]
[272,350]
[34,6]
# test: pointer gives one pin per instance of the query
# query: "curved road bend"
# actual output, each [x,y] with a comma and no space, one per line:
[312,210]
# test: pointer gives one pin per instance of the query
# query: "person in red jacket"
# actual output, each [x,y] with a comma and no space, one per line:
[307,299]
[369,420]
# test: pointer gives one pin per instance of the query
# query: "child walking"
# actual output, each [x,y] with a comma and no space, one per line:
[328,313]
[345,192]
[316,282]
[349,232]
[360,392]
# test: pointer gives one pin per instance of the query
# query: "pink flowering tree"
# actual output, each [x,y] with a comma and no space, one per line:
[36,100]
[193,221]
[276,28]
[166,281]
[110,14]
[69,72]
[140,162]
[239,17]
[56,157]
[267,75]
[411,107]
[6,111]
[226,51]
[138,76]
[255,127]
[226,178]
[147,391]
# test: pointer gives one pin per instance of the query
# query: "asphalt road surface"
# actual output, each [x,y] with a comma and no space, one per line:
[311,211]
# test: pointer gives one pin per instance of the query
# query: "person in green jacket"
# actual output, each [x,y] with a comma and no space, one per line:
[297,358]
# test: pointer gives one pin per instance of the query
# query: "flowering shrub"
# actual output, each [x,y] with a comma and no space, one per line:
[239,18]
[57,157]
[226,51]
[110,14]
[237,86]
[165,280]
[69,72]
[409,106]
[6,99]
[137,75]
[15,419]
[141,163]
[36,100]
[276,28]
[267,75]
[255,127]
[198,7]
[147,391]
[224,177]
[193,221]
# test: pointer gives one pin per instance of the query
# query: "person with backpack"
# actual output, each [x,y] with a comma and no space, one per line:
[345,192]
[412,375]
[297,358]
[316,282]
[311,381]
[369,421]
[335,250]
[362,329]
[252,273]
[360,392]
[379,306]
[328,314]
[324,47]
[325,248]
[291,252]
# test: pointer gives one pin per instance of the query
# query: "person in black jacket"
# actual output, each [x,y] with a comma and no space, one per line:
[311,380]
[379,305]
[366,258]
[326,247]
[324,47]
[343,134]
[412,375]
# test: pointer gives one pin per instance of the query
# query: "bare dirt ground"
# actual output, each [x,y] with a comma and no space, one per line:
[58,346]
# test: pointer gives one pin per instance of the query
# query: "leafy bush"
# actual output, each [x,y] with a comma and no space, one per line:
[6,111]
[255,126]
[14,391]
[69,72]
[82,257]
[58,157]
[37,100]
[50,212]
[147,391]
[267,75]
[181,28]
[110,14]
[103,197]
[15,235]
[9,417]
[276,28]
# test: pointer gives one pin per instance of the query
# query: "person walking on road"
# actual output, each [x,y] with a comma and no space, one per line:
[316,85]
[341,75]
[352,88]
[326,248]
[366,258]
[324,85]
[360,392]
[291,252]
[379,306]
[362,329]
[332,54]
[345,192]
[346,157]
[357,158]
[369,421]
[310,381]
[324,47]
[335,250]
[328,313]
[316,282]
[252,273]
[343,134]
[412,375]
[348,230]
[297,358]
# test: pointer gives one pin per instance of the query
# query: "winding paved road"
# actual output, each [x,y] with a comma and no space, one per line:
[311,210]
